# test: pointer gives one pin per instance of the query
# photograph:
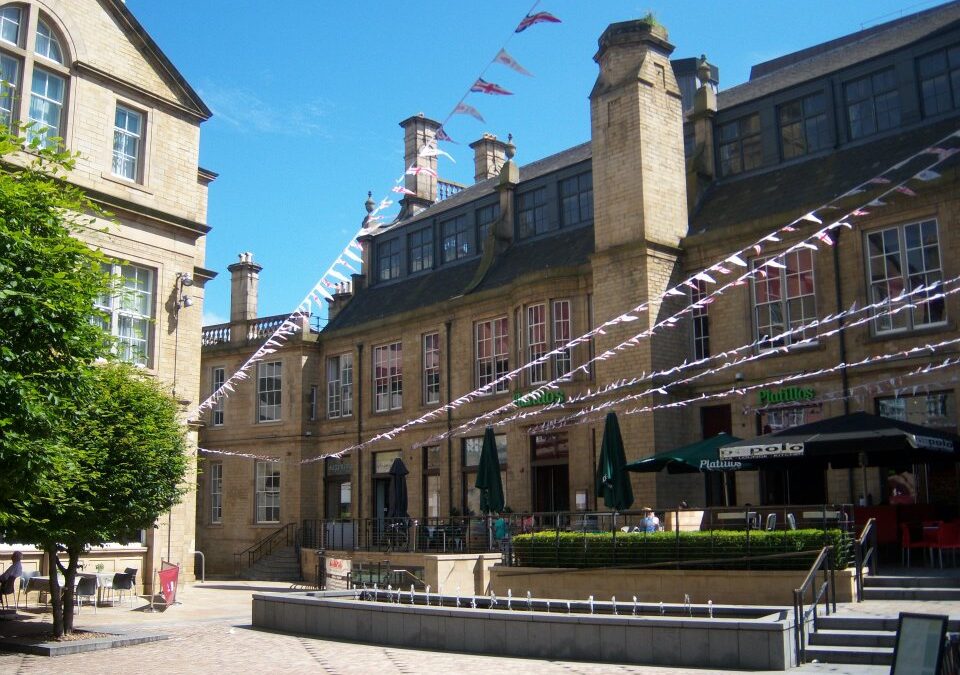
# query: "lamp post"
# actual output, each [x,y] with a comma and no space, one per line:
[184,280]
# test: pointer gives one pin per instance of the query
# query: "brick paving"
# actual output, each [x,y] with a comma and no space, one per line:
[210,632]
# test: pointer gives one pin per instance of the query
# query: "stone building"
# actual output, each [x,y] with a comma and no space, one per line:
[457,292]
[87,72]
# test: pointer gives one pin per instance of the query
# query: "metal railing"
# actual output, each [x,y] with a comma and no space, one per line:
[826,592]
[285,536]
[865,554]
[446,189]
[606,538]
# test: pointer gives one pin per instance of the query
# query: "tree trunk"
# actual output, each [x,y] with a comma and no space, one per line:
[51,550]
[70,575]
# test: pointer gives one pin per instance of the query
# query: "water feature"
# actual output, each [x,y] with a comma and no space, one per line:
[509,598]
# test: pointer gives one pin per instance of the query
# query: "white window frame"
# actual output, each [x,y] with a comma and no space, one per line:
[785,304]
[217,378]
[216,493]
[388,377]
[129,315]
[492,353]
[431,368]
[126,141]
[885,324]
[35,70]
[267,491]
[699,321]
[340,386]
[562,334]
[269,401]
[536,334]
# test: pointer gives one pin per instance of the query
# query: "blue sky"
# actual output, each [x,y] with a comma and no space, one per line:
[307,96]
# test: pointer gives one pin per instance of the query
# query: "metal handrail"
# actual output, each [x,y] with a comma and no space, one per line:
[826,591]
[264,547]
[869,534]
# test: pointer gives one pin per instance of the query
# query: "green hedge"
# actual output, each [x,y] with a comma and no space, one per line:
[720,548]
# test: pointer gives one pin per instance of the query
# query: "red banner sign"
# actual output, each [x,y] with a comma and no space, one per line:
[169,576]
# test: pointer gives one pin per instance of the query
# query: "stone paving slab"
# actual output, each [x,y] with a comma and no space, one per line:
[211,632]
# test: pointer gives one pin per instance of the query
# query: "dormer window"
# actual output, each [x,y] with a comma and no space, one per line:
[43,67]
[803,126]
[873,103]
[740,148]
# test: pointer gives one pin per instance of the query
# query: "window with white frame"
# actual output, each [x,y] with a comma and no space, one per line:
[217,378]
[216,492]
[127,137]
[31,51]
[536,343]
[269,384]
[268,492]
[900,259]
[128,315]
[388,377]
[784,299]
[340,386]
[563,361]
[700,320]
[431,368]
[492,341]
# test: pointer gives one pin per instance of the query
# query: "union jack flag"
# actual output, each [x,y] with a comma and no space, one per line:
[483,87]
[443,136]
[539,17]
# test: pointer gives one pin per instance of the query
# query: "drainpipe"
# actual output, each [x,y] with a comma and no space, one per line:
[359,409]
[446,326]
[842,342]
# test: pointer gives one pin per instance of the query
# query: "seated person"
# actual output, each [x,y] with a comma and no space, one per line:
[15,570]
[649,522]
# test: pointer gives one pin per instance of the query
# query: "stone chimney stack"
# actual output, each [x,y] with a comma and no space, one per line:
[419,131]
[244,282]
[489,155]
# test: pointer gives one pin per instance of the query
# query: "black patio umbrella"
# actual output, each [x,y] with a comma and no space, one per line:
[697,457]
[488,475]
[613,483]
[398,490]
[857,439]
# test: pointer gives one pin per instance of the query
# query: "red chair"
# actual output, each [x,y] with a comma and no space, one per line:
[907,543]
[948,537]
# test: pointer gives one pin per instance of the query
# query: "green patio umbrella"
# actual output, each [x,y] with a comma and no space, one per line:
[697,457]
[612,480]
[488,475]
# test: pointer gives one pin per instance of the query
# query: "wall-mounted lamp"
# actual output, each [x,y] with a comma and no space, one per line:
[183,300]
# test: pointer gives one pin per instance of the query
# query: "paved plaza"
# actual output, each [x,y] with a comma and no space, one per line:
[210,632]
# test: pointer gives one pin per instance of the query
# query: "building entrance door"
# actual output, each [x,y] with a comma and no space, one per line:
[551,488]
[720,486]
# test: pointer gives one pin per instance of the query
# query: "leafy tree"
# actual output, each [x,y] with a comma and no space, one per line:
[89,453]
[127,451]
[48,283]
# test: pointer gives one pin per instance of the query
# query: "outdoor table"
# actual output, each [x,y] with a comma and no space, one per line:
[104,582]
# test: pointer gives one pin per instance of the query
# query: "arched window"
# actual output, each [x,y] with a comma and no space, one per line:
[32,55]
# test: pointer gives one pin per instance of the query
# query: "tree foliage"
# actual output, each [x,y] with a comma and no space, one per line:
[91,451]
[48,283]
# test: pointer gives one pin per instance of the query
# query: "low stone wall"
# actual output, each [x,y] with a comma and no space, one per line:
[739,643]
[740,587]
[468,571]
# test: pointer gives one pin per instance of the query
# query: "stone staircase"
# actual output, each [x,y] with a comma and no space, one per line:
[869,640]
[281,565]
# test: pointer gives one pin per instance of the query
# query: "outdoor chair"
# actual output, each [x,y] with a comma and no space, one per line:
[907,543]
[24,582]
[771,522]
[122,581]
[86,588]
[791,521]
[948,538]
[6,589]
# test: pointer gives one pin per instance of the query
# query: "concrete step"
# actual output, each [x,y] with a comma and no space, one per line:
[857,623]
[911,593]
[870,656]
[853,638]
[911,582]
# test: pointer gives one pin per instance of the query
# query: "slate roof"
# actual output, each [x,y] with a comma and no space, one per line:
[815,62]
[541,167]
[794,189]
[566,248]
